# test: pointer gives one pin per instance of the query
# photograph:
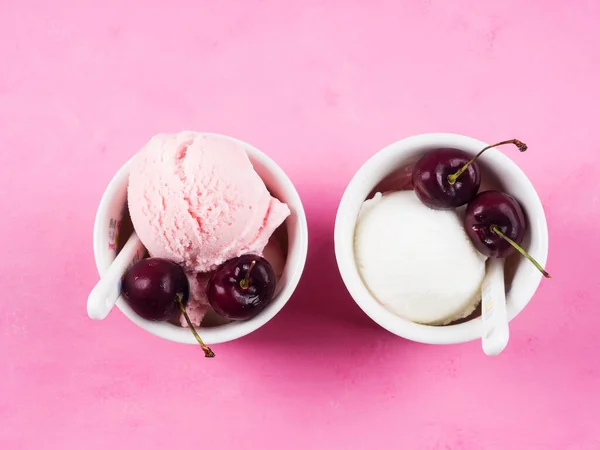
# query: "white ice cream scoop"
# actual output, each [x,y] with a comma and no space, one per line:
[418,262]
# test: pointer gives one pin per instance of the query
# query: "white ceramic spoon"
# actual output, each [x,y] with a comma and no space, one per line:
[494,337]
[106,292]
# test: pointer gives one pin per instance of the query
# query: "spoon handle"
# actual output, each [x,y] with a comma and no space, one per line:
[106,292]
[493,309]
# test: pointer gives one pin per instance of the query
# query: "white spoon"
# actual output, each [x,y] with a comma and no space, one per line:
[106,292]
[494,319]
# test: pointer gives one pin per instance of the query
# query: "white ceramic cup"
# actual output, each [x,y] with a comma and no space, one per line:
[498,171]
[113,207]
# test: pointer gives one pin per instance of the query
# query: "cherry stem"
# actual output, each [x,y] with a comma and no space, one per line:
[207,351]
[245,283]
[496,230]
[454,176]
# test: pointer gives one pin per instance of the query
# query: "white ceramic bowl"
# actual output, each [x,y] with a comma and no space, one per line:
[498,171]
[113,206]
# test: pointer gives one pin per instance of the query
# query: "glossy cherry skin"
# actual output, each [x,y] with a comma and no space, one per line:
[495,208]
[151,287]
[241,287]
[430,178]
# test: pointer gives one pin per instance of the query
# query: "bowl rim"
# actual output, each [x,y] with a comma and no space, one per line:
[345,223]
[295,258]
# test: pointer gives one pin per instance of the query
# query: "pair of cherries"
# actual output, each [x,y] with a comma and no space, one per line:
[156,289]
[448,178]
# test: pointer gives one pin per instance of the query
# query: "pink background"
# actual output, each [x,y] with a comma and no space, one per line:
[320,86]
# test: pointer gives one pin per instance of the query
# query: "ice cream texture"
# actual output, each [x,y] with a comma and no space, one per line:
[195,199]
[418,262]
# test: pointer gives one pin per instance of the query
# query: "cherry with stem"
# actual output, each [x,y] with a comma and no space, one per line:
[241,287]
[156,289]
[496,224]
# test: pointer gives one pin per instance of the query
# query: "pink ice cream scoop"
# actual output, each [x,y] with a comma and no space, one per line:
[195,199]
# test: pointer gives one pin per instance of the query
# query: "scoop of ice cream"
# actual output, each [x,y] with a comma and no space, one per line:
[195,199]
[418,262]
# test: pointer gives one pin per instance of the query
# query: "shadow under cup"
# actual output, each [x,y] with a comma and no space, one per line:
[113,227]
[390,170]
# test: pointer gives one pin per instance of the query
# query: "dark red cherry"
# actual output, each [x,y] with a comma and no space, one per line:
[447,178]
[241,287]
[156,289]
[151,288]
[496,224]
[431,182]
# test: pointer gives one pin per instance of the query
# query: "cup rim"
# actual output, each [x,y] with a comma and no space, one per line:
[294,266]
[344,241]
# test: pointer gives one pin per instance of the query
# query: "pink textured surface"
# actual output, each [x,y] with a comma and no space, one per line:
[320,86]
